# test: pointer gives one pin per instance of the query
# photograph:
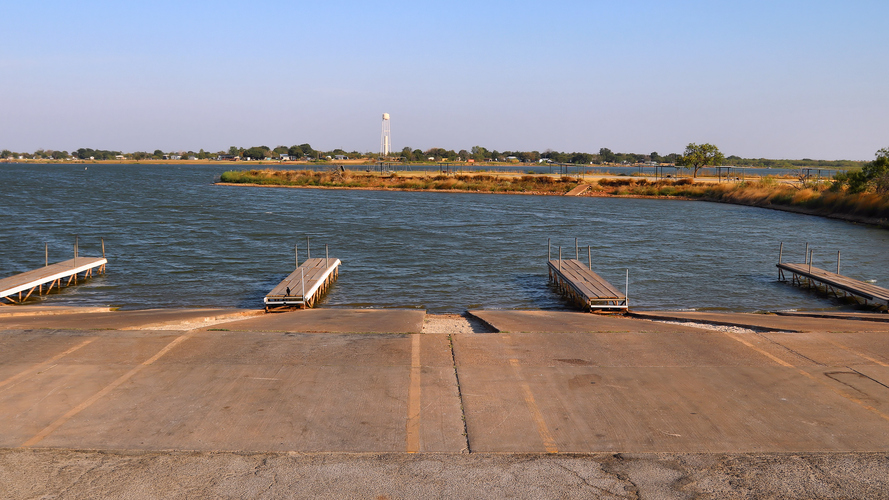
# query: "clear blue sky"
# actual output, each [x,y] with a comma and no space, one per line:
[774,79]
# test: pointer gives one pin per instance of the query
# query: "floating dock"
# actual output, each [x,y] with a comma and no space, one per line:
[577,282]
[17,289]
[807,275]
[304,286]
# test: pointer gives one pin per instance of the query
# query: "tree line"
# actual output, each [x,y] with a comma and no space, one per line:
[477,154]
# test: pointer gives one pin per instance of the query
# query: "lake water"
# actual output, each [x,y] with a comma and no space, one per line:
[173,239]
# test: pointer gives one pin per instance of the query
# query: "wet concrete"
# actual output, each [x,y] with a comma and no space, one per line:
[336,321]
[567,322]
[186,319]
[768,321]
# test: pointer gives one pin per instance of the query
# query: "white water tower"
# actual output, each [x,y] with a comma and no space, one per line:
[385,138]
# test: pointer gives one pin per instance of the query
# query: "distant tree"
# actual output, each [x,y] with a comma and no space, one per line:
[479,153]
[307,150]
[5,153]
[257,152]
[59,155]
[655,157]
[697,156]
[417,154]
[141,155]
[606,156]
[234,151]
[873,176]
[581,158]
[295,152]
[407,154]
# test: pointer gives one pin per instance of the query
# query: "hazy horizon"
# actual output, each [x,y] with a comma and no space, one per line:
[779,80]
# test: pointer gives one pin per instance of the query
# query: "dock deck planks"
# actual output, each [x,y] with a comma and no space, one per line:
[52,274]
[312,277]
[581,284]
[867,291]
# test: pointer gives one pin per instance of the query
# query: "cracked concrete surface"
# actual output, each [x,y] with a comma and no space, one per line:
[63,474]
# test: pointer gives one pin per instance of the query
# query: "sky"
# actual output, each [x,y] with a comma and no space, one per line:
[759,79]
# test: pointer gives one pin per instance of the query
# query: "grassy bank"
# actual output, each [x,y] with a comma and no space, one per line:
[816,199]
[531,184]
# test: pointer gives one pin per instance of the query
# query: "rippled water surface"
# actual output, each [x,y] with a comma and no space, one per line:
[175,240]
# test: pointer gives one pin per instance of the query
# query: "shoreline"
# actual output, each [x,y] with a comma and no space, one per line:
[869,221]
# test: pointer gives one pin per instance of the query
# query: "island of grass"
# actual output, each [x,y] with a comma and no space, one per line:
[810,197]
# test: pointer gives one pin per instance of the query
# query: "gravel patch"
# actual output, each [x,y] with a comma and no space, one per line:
[454,323]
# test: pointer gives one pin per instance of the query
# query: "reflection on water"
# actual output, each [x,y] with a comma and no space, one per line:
[173,239]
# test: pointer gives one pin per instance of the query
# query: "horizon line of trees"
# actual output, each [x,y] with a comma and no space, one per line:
[477,153]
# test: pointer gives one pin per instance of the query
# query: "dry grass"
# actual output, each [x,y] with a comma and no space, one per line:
[486,183]
[765,192]
[818,199]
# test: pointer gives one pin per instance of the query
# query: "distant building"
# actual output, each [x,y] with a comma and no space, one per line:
[228,158]
[284,157]
[172,157]
[192,157]
[340,157]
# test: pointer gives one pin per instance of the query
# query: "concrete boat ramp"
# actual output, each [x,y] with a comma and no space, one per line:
[361,403]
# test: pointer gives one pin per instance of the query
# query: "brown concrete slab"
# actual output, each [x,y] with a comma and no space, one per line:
[335,321]
[567,321]
[232,391]
[768,321]
[9,311]
[186,319]
[661,392]
[836,349]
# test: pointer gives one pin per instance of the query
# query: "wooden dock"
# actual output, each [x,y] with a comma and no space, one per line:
[807,275]
[577,282]
[17,289]
[304,286]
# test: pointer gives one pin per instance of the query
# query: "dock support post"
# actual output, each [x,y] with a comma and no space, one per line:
[296,254]
[838,262]
[302,281]
[75,252]
[807,252]
[326,256]
[308,248]
[589,254]
[576,253]
[811,256]
[560,258]
[627,291]
[46,254]
[549,251]
[103,248]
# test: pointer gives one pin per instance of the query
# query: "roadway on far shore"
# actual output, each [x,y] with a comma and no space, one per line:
[581,404]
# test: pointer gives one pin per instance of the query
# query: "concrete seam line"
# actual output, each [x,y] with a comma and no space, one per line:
[48,361]
[459,394]
[413,398]
[110,387]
